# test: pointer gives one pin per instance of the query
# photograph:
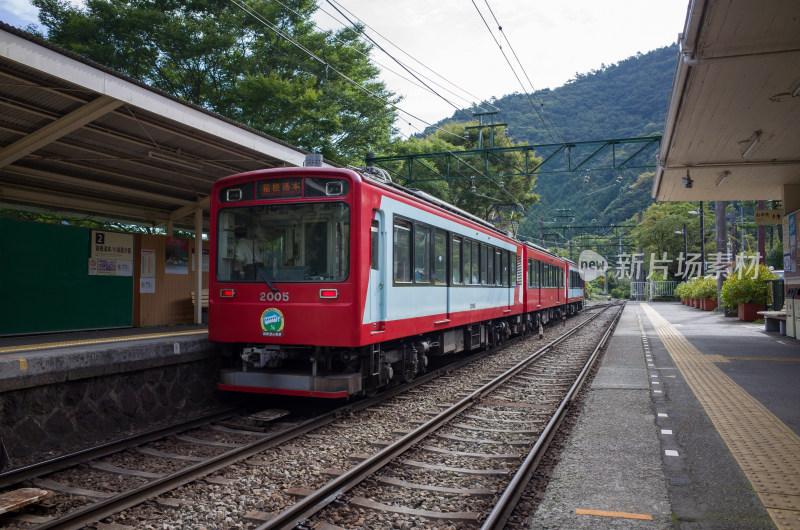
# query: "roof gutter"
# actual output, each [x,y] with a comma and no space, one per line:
[686,41]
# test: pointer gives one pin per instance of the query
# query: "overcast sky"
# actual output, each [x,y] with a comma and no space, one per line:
[554,39]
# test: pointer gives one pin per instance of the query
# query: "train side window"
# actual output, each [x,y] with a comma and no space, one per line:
[498,280]
[455,258]
[466,262]
[504,267]
[484,273]
[422,254]
[374,243]
[402,251]
[440,257]
[475,265]
[490,265]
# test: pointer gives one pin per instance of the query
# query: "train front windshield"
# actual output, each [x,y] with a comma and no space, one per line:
[284,242]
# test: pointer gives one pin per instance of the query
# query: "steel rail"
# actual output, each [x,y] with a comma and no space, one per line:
[15,476]
[127,499]
[502,511]
[319,499]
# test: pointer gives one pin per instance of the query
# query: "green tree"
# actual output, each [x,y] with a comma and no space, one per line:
[467,188]
[215,55]
[657,236]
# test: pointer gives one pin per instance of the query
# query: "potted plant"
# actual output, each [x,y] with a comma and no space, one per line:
[693,298]
[682,292]
[706,291]
[749,292]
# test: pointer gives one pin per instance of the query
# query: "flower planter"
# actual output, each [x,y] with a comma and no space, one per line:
[749,312]
[709,304]
[696,303]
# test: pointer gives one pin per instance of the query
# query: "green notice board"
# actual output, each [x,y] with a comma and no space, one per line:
[45,283]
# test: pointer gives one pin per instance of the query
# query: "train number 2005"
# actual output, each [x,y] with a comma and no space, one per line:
[274,297]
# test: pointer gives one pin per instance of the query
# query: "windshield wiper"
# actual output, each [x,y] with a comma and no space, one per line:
[260,270]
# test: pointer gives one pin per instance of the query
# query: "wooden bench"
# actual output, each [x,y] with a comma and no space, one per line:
[772,320]
[203,299]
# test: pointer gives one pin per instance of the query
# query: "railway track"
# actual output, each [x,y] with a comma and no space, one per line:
[192,471]
[462,454]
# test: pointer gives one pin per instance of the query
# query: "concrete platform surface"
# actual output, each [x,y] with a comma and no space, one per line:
[36,360]
[691,422]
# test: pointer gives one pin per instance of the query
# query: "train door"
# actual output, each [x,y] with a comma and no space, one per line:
[377,270]
[560,284]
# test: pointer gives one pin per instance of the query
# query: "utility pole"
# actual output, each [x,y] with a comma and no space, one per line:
[481,126]
[702,241]
[720,225]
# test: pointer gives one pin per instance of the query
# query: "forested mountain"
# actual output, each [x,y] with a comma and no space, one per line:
[627,99]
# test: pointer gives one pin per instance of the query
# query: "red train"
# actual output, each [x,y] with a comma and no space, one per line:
[332,282]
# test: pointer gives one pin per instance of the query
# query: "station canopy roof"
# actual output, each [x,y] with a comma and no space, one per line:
[734,113]
[79,138]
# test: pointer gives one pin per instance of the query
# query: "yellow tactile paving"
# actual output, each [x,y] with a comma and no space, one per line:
[767,450]
[50,345]
[773,359]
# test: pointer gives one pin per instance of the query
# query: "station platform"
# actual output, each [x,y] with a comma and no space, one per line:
[63,392]
[691,422]
[36,360]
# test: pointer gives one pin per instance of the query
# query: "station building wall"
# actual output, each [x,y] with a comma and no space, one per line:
[46,284]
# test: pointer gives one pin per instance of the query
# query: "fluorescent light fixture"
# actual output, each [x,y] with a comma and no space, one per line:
[168,158]
[753,142]
[721,178]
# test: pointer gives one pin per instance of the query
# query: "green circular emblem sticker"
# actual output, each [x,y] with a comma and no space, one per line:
[272,321]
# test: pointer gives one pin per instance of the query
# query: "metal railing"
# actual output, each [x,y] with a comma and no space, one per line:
[652,290]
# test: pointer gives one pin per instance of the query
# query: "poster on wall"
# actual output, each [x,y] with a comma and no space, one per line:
[106,267]
[176,256]
[124,267]
[147,285]
[110,254]
[205,261]
[148,263]
[111,246]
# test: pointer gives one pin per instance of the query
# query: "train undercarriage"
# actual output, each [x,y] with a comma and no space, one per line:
[340,373]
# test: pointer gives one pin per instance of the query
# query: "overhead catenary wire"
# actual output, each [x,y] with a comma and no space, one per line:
[513,70]
[519,62]
[437,74]
[294,42]
[382,65]
[478,172]
[374,42]
[247,9]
